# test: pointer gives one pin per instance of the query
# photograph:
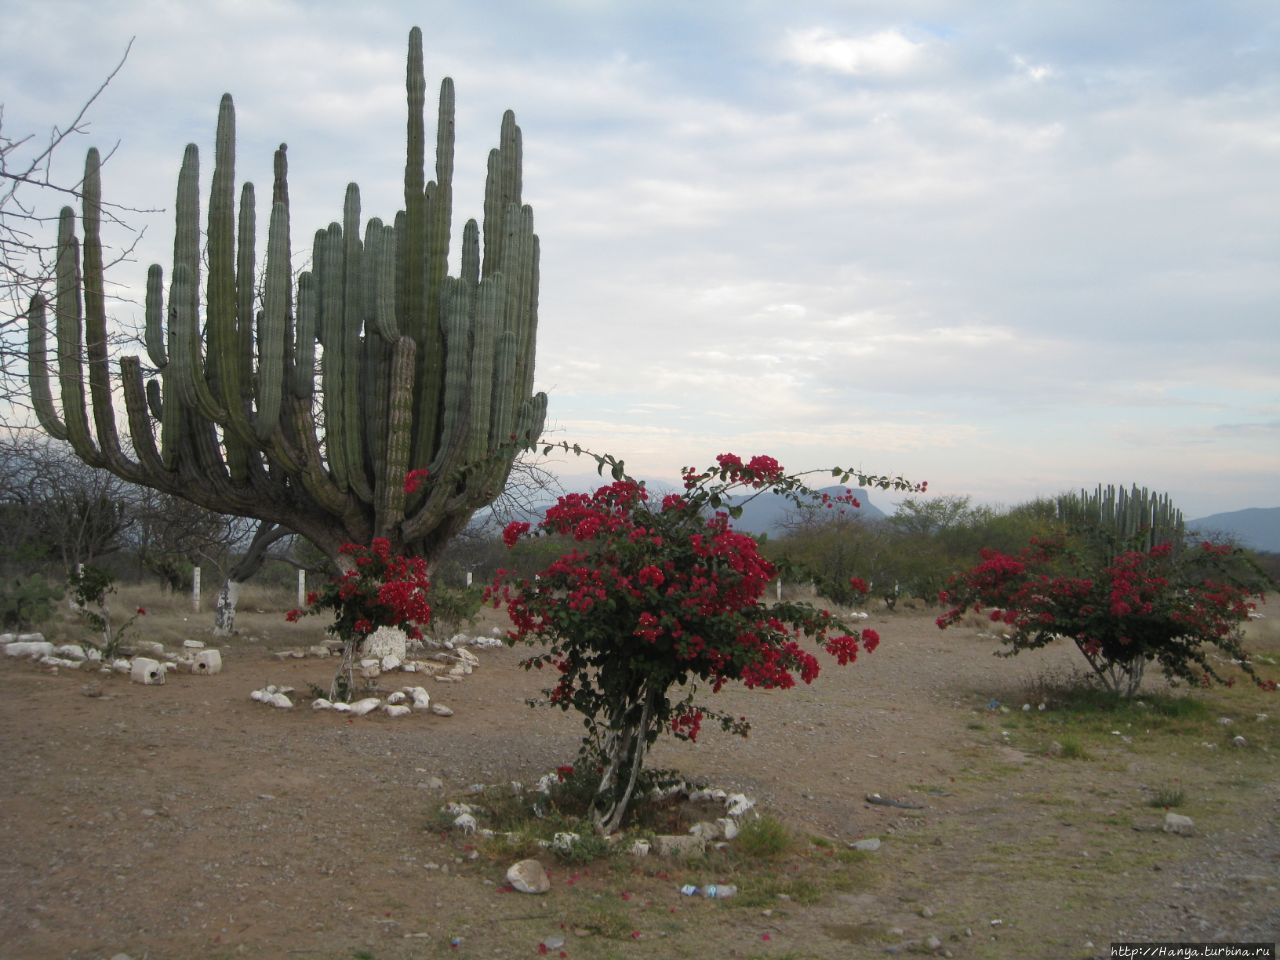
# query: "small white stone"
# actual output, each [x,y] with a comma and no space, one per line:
[121,666]
[280,702]
[320,703]
[440,710]
[728,827]
[465,822]
[390,662]
[396,698]
[1177,823]
[737,804]
[367,705]
[193,644]
[340,707]
[421,699]
[72,651]
[397,710]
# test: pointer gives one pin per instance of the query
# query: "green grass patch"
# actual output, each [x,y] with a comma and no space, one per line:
[1167,797]
[764,838]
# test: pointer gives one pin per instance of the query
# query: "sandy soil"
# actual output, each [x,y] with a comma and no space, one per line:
[186,820]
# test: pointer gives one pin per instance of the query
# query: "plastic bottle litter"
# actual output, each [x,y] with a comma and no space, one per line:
[712,891]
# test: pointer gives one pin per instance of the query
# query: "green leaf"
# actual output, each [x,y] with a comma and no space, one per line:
[735,512]
[618,471]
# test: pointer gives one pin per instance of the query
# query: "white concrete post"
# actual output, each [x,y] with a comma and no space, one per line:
[302,589]
[468,578]
[779,589]
[195,589]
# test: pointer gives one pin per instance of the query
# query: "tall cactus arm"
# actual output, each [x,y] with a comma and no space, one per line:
[304,357]
[246,266]
[135,405]
[329,274]
[412,309]
[352,424]
[273,323]
[95,321]
[184,306]
[154,314]
[399,434]
[70,329]
[38,369]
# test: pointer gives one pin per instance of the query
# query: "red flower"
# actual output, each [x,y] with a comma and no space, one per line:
[142,611]
[513,532]
[413,479]
[293,616]
[859,585]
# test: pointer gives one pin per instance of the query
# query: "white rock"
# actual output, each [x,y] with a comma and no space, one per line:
[259,695]
[384,641]
[640,848]
[397,710]
[146,671]
[1239,741]
[149,646]
[421,699]
[367,705]
[706,830]
[7,638]
[371,662]
[72,651]
[867,845]
[444,678]
[469,657]
[35,649]
[320,703]
[121,666]
[390,662]
[440,710]
[271,688]
[460,670]
[737,804]
[207,662]
[528,876]
[564,841]
[193,644]
[409,666]
[457,809]
[1177,823]
[465,822]
[728,827]
[371,673]
[340,707]
[396,698]
[280,701]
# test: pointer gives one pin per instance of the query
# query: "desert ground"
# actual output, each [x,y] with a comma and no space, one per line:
[188,821]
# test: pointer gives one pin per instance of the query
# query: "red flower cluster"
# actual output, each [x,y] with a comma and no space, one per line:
[413,479]
[1162,603]
[378,589]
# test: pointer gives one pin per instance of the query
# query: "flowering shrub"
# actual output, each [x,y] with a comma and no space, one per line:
[1122,608]
[378,589]
[656,595]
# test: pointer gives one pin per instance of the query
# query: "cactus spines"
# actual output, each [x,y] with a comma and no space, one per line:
[418,370]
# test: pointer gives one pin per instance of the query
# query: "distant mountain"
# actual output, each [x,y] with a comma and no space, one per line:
[1257,527]
[766,513]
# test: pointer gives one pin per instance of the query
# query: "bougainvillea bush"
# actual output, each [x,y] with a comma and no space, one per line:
[659,599]
[377,589]
[1179,605]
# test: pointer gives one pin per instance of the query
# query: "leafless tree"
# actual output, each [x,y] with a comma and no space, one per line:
[30,199]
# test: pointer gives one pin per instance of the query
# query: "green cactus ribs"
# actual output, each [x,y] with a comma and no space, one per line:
[416,369]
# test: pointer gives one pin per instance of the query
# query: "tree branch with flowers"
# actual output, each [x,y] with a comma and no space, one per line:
[659,599]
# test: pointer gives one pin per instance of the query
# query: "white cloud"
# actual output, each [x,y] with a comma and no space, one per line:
[884,52]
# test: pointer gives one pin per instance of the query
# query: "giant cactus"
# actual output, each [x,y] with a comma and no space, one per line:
[1130,518]
[418,370]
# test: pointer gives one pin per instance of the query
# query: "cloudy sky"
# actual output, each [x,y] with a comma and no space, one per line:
[1010,248]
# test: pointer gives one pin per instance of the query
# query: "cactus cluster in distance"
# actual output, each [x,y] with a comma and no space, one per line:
[1134,518]
[417,370]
